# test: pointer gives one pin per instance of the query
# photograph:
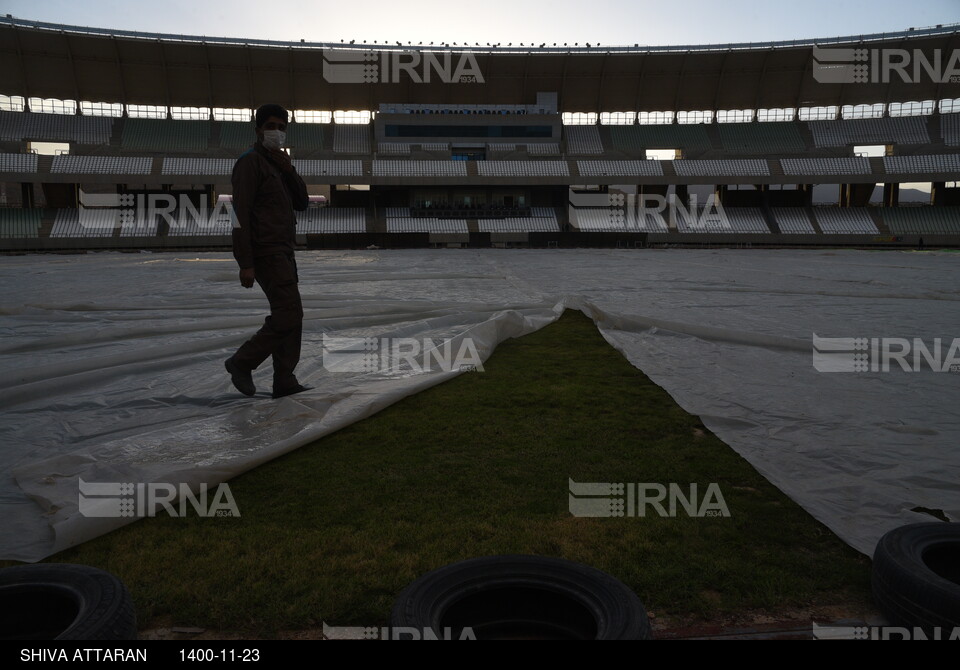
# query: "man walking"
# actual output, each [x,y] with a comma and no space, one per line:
[266,191]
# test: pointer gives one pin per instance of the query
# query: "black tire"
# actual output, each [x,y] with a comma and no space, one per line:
[59,601]
[916,576]
[520,597]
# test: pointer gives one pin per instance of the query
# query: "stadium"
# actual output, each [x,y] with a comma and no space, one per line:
[716,212]
[423,163]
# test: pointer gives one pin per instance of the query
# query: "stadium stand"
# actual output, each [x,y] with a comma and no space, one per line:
[236,135]
[639,138]
[583,140]
[618,220]
[922,220]
[328,220]
[890,130]
[334,168]
[723,168]
[701,220]
[544,213]
[463,161]
[94,223]
[188,226]
[546,149]
[541,220]
[19,223]
[18,162]
[523,169]
[837,220]
[620,168]
[165,135]
[824,166]
[746,220]
[351,139]
[519,225]
[921,164]
[647,222]
[427,225]
[18,126]
[70,164]
[761,138]
[402,168]
[950,129]
[393,149]
[793,221]
[306,137]
[600,220]
[138,225]
[198,166]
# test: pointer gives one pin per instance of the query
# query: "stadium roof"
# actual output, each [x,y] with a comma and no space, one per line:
[70,62]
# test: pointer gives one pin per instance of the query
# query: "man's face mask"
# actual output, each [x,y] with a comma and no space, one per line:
[274,139]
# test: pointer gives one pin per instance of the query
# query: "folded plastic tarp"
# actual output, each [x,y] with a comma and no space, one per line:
[113,366]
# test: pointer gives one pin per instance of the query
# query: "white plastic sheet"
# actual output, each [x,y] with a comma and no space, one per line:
[113,365]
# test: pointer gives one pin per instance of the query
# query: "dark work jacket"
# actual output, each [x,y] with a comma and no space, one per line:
[264,199]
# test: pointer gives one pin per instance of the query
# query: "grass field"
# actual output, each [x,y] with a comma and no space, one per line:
[478,466]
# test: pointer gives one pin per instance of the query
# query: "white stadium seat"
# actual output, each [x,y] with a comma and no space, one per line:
[101,164]
[523,169]
[843,220]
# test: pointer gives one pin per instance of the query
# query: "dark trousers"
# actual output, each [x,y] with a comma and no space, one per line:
[281,332]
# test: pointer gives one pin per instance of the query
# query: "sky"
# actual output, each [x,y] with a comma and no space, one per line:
[607,22]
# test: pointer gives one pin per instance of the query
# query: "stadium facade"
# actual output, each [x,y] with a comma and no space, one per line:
[484,145]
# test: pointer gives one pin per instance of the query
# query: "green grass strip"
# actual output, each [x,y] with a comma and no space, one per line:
[479,466]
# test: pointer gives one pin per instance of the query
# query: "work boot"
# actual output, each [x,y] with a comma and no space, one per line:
[242,379]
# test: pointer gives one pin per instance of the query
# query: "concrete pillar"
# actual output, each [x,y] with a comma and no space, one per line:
[859,194]
[891,195]
[937,193]
[720,193]
[26,195]
[764,190]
